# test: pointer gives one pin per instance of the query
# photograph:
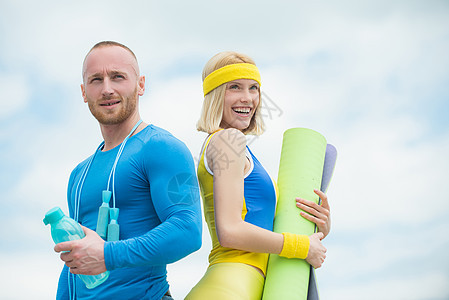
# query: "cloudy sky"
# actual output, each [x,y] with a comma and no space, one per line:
[371,76]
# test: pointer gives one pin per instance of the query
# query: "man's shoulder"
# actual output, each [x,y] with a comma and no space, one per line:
[153,130]
[156,135]
[161,143]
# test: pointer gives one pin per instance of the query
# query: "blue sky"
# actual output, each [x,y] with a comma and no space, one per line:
[372,77]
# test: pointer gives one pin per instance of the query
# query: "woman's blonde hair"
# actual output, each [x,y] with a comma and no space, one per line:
[212,111]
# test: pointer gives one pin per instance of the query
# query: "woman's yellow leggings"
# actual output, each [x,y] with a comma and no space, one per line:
[229,281]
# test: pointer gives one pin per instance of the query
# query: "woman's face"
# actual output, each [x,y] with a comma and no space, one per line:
[240,102]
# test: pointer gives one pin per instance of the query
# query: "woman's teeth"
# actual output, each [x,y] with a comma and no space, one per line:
[242,110]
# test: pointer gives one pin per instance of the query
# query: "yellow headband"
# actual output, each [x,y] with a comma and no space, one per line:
[229,73]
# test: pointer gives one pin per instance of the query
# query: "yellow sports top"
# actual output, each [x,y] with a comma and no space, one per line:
[259,205]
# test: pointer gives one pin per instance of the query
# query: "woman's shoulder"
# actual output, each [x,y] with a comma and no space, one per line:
[229,140]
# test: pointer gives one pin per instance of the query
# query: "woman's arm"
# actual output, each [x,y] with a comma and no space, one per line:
[228,166]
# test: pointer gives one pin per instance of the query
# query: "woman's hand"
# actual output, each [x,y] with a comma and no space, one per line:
[318,214]
[317,252]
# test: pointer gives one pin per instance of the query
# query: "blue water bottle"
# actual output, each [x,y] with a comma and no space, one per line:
[65,229]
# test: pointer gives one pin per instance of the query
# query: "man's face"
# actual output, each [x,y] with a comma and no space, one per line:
[111,84]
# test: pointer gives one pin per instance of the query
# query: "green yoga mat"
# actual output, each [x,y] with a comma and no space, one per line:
[300,172]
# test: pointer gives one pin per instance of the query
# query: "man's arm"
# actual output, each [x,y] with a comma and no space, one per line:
[175,196]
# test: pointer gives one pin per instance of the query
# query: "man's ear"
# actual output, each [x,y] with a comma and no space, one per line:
[83,92]
[141,85]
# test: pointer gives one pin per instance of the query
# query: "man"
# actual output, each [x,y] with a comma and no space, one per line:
[149,176]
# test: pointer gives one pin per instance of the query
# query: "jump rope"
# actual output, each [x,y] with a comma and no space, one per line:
[109,230]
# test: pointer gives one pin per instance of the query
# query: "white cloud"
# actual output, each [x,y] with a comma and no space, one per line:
[15,93]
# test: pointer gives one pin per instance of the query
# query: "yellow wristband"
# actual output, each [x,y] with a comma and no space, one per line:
[295,245]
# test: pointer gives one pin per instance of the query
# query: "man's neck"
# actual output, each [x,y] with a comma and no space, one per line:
[114,135]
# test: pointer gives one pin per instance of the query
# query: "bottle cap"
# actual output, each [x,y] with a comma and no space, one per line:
[53,215]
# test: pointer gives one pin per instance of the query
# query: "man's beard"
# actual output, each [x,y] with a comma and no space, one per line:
[128,106]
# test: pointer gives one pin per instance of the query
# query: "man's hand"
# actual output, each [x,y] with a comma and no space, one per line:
[86,256]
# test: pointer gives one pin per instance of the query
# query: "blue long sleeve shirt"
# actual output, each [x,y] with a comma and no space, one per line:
[156,190]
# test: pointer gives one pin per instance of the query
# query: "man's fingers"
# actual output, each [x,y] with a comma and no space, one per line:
[67,257]
[64,246]
[70,264]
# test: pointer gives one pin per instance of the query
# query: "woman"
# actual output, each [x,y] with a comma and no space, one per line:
[238,195]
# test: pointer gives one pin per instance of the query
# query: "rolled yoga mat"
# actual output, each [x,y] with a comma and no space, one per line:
[328,170]
[300,172]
